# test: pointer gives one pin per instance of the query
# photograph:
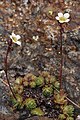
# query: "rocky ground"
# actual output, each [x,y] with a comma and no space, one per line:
[31,18]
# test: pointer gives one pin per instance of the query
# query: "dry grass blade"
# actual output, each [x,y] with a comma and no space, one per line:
[5,83]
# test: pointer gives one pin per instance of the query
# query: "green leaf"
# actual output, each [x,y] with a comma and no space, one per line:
[39,81]
[32,84]
[30,103]
[18,81]
[52,79]
[57,84]
[37,111]
[47,91]
[69,118]
[61,117]
[68,110]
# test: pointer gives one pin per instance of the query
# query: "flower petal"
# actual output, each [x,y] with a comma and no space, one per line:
[66,15]
[57,18]
[37,37]
[60,14]
[61,21]
[18,37]
[18,42]
[67,20]
[33,37]
[13,35]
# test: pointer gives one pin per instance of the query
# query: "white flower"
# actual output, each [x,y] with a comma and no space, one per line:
[78,117]
[15,39]
[35,38]
[62,18]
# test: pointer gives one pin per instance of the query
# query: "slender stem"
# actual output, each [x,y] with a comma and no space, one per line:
[61,55]
[6,69]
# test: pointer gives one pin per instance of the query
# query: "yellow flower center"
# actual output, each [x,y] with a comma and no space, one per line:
[14,39]
[62,19]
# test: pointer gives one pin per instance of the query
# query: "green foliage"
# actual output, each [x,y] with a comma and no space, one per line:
[68,110]
[25,83]
[30,103]
[32,84]
[45,74]
[57,84]
[47,81]
[69,118]
[59,99]
[17,103]
[18,88]
[52,79]
[37,111]
[18,81]
[47,91]
[47,85]
[29,77]
[19,98]
[61,117]
[39,81]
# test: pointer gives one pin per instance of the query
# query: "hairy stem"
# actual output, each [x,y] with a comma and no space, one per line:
[6,69]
